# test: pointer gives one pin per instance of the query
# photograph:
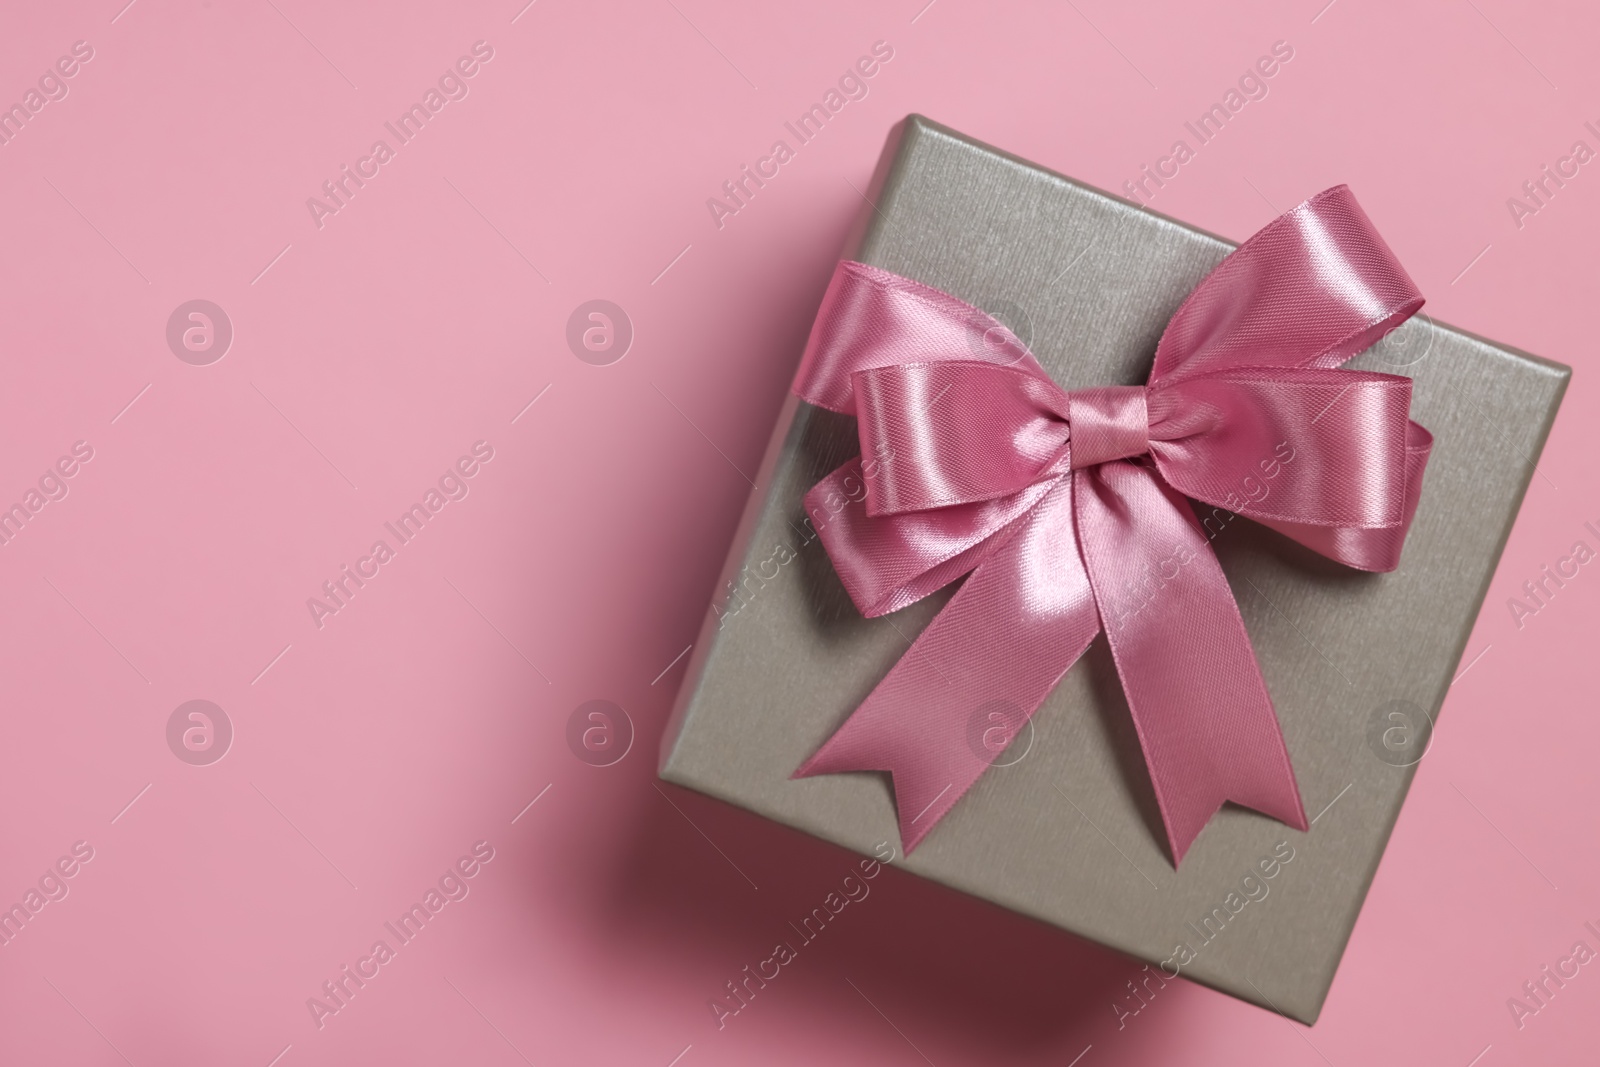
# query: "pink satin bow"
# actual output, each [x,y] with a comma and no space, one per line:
[1068,509]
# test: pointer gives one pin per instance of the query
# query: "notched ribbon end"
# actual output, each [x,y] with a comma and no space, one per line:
[919,802]
[1288,809]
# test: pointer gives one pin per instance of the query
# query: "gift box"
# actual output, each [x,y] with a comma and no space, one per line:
[1065,826]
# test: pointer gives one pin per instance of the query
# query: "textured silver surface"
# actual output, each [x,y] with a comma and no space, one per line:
[1070,834]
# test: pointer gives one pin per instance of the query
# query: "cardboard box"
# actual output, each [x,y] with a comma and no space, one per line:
[1064,827]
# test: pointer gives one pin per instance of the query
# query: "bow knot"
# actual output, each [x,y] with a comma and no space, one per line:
[984,467]
[1109,423]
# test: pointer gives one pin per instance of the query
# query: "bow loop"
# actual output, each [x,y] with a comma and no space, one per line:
[1316,447]
[910,323]
[957,432]
[1310,289]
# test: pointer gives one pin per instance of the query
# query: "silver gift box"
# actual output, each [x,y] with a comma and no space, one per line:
[1064,827]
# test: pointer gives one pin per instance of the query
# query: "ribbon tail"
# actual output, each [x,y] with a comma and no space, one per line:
[1199,704]
[987,660]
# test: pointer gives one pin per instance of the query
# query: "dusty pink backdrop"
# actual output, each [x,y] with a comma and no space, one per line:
[370,353]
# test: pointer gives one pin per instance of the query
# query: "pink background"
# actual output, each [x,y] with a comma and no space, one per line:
[373,752]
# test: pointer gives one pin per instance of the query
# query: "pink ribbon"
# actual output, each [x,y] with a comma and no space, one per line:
[1066,510]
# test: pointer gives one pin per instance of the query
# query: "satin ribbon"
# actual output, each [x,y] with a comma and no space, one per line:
[1066,511]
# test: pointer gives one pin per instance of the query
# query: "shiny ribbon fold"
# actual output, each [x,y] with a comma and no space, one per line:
[1066,511]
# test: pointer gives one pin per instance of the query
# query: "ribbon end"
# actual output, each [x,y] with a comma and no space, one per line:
[1286,808]
[1298,822]
[823,763]
[1180,838]
[911,837]
[919,804]
[916,822]
[831,759]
